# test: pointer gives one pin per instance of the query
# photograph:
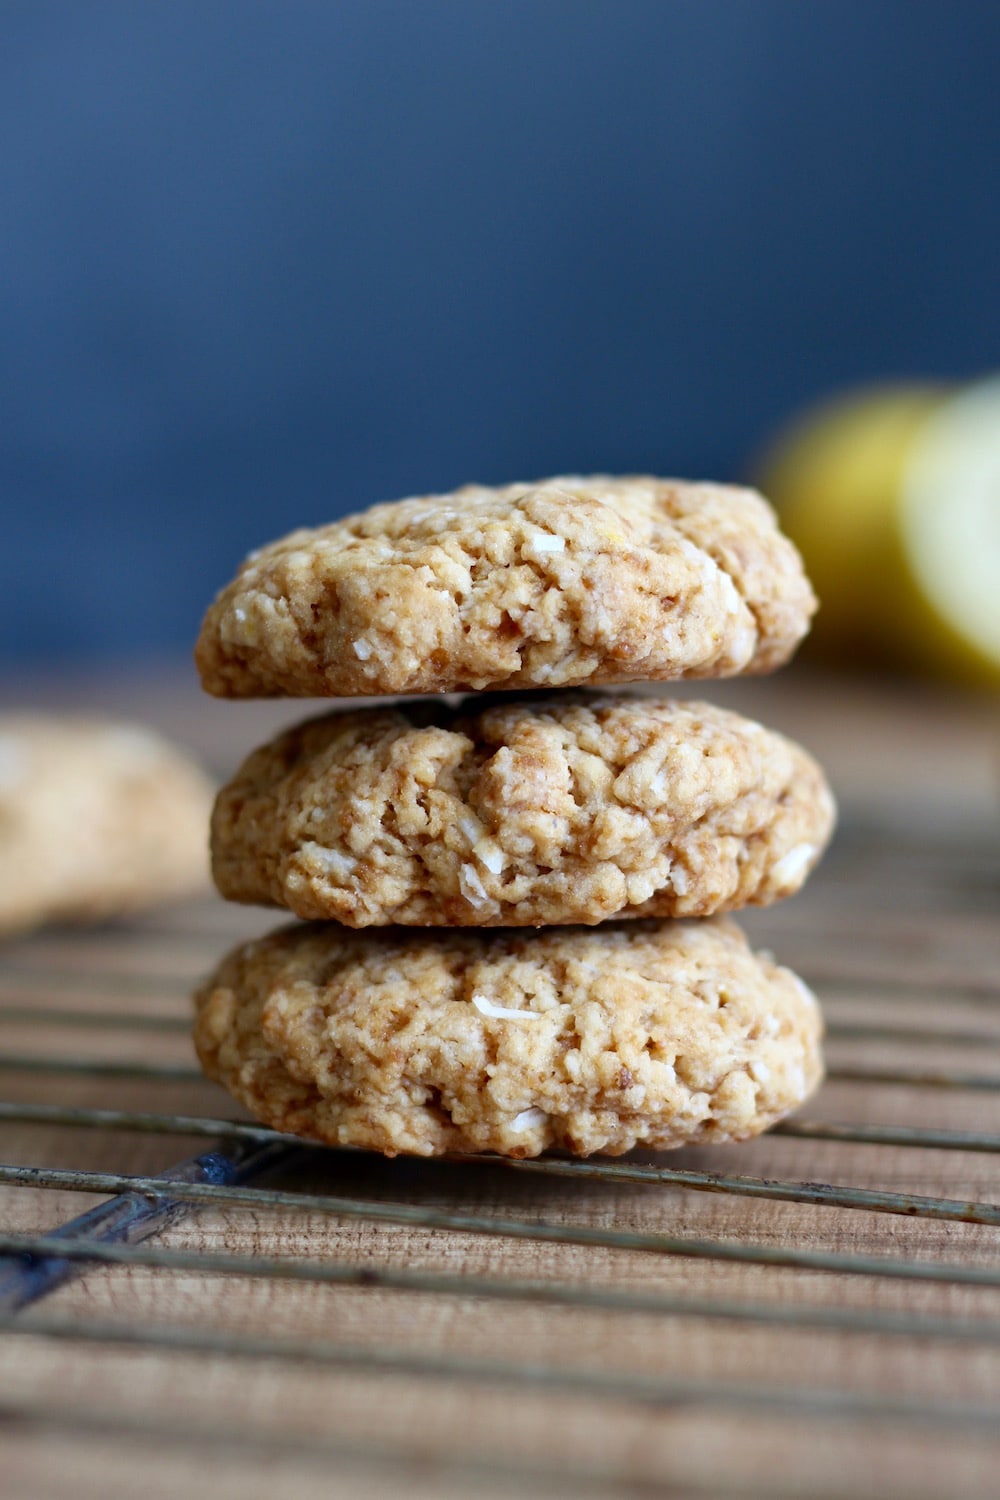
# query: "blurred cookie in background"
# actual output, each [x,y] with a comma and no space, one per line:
[97,818]
[893,497]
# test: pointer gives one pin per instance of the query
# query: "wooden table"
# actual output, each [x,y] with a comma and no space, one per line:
[616,1333]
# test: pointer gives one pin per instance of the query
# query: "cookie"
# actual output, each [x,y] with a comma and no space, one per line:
[567,581]
[587,1040]
[521,812]
[96,819]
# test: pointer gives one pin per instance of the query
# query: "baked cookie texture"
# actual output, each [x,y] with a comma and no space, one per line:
[552,584]
[96,819]
[577,1039]
[521,812]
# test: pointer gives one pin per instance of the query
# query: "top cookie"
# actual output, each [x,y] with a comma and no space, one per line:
[562,582]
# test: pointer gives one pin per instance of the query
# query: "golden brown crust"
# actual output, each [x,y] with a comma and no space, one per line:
[561,582]
[521,812]
[96,819]
[652,1034]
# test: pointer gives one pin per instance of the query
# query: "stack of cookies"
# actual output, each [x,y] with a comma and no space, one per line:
[514,937]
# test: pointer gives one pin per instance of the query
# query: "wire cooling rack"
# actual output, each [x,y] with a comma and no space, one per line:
[814,1313]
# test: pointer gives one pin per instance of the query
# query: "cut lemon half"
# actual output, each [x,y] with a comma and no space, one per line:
[950,516]
[893,498]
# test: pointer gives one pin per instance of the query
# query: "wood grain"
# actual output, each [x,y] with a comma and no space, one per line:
[899,933]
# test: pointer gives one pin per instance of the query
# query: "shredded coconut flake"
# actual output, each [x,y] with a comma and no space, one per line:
[332,861]
[792,865]
[679,880]
[471,886]
[501,1012]
[472,828]
[528,1119]
[489,853]
[548,542]
[362,648]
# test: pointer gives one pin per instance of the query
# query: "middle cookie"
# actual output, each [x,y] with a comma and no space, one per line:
[517,812]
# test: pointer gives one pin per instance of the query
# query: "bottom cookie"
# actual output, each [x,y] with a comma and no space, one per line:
[586,1040]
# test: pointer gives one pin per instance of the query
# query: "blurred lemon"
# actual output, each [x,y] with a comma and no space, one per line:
[893,497]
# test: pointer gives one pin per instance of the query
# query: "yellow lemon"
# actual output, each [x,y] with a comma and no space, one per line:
[893,497]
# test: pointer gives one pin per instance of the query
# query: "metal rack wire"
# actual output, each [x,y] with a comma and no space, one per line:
[247,1169]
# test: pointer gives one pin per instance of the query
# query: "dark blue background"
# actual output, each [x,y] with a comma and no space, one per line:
[261,263]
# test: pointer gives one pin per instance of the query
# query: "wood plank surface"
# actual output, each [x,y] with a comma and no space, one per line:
[551,1360]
